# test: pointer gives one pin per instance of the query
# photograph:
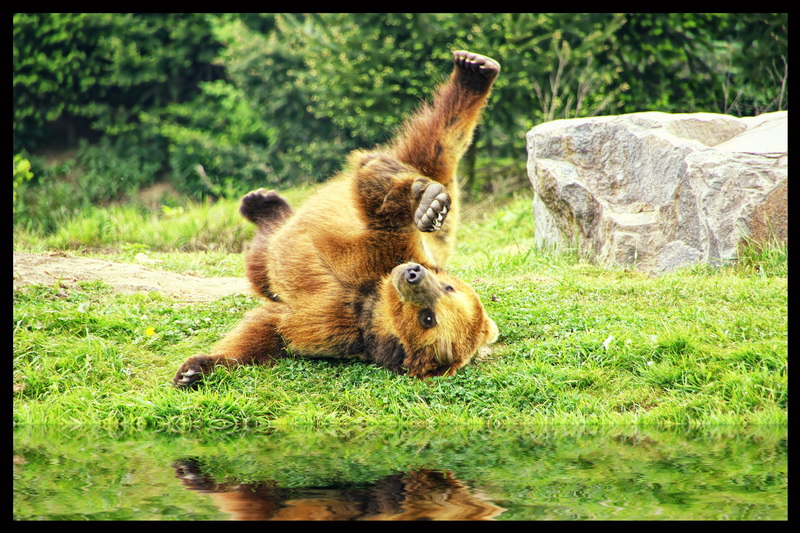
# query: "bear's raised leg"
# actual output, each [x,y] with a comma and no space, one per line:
[265,209]
[435,138]
[268,211]
[254,341]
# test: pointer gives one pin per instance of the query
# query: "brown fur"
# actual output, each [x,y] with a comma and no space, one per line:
[336,272]
[416,495]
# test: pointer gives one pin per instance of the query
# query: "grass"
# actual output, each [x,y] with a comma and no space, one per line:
[579,344]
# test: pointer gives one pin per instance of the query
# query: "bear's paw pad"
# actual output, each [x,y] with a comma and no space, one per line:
[433,207]
[477,64]
[258,202]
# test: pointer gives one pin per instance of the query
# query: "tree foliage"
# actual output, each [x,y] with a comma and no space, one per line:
[100,69]
[227,102]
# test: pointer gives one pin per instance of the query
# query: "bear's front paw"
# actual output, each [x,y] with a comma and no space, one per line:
[190,373]
[433,206]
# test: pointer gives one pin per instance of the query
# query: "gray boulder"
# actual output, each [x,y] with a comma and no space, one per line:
[658,191]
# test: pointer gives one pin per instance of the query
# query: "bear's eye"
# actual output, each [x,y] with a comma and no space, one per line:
[427,319]
[449,288]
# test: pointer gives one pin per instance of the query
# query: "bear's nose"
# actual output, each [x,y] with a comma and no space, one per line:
[414,274]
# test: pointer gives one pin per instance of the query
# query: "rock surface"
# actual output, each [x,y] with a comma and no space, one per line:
[657,191]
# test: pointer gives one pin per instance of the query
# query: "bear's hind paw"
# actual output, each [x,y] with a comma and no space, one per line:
[262,206]
[477,71]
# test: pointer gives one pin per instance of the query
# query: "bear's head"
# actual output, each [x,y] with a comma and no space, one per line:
[437,318]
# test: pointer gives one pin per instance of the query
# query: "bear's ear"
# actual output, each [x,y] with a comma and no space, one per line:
[491,331]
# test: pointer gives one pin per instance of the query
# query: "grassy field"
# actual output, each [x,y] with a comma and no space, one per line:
[579,344]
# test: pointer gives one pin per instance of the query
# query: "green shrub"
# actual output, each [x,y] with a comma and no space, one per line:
[99,173]
[22,175]
[254,129]
[222,103]
[81,73]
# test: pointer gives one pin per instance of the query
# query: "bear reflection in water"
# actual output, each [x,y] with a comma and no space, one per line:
[416,495]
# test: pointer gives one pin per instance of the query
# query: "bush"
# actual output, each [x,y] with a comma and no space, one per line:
[22,175]
[254,129]
[226,103]
[80,81]
[99,173]
[94,72]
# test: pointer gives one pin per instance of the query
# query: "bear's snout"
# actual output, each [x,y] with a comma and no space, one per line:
[414,284]
[414,274]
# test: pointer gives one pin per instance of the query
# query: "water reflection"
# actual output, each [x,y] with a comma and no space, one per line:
[570,474]
[416,495]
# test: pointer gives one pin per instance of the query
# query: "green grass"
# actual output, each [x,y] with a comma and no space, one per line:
[190,228]
[579,344]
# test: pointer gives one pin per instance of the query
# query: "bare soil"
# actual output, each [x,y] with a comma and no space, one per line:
[68,270]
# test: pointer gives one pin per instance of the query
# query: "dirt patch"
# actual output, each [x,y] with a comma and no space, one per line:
[69,270]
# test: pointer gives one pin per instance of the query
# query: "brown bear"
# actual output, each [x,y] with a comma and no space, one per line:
[358,271]
[420,494]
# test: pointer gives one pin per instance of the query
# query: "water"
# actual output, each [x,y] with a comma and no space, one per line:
[402,475]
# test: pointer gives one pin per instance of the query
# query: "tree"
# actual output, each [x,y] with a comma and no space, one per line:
[223,103]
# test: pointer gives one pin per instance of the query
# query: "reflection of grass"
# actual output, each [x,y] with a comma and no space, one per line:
[552,474]
[579,345]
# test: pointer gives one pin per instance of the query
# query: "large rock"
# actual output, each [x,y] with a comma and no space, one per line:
[657,191]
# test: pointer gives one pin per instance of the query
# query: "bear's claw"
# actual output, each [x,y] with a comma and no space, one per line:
[187,377]
[433,207]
